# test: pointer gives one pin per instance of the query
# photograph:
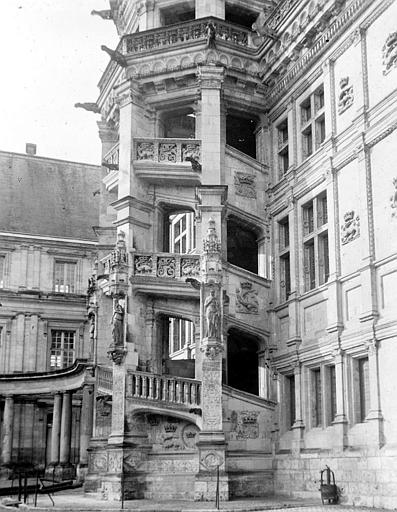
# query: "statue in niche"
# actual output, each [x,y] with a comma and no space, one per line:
[118,324]
[212,315]
[210,31]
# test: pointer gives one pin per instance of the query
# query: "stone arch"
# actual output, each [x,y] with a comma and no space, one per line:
[236,63]
[223,58]
[158,67]
[172,64]
[186,62]
[145,69]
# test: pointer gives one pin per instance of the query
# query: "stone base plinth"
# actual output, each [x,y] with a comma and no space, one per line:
[205,487]
[60,472]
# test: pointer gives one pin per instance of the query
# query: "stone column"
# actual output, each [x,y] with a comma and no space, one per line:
[298,425]
[56,429]
[8,425]
[212,118]
[86,422]
[374,417]
[65,471]
[340,421]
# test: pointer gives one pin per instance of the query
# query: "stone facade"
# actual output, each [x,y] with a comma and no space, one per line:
[252,193]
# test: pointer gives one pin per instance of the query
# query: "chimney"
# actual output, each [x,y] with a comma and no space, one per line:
[31,148]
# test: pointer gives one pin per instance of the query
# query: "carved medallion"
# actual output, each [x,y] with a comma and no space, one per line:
[389,53]
[346,96]
[247,299]
[211,461]
[350,230]
[244,185]
[168,152]
[190,267]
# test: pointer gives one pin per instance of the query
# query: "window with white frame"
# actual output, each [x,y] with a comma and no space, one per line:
[284,259]
[62,350]
[312,116]
[2,270]
[315,242]
[182,232]
[282,148]
[65,276]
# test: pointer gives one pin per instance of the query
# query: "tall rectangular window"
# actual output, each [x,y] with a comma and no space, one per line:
[65,277]
[363,383]
[317,399]
[284,259]
[332,390]
[2,270]
[313,127]
[62,351]
[182,234]
[315,242]
[290,391]
[282,148]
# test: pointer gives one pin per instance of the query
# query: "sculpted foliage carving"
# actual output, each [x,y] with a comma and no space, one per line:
[166,267]
[389,53]
[346,96]
[393,199]
[143,265]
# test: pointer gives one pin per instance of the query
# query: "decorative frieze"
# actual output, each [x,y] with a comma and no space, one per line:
[245,184]
[190,267]
[166,267]
[350,230]
[247,299]
[389,53]
[143,265]
[168,150]
[346,96]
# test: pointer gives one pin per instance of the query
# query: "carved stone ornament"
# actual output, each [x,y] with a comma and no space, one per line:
[211,461]
[118,257]
[211,243]
[350,230]
[145,151]
[190,150]
[117,354]
[143,265]
[168,152]
[190,267]
[117,324]
[389,53]
[244,185]
[393,199]
[247,425]
[212,351]
[346,97]
[166,267]
[247,299]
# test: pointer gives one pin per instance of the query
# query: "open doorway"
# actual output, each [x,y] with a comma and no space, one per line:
[242,361]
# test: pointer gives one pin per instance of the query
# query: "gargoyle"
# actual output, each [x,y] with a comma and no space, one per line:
[196,166]
[91,107]
[115,56]
[105,14]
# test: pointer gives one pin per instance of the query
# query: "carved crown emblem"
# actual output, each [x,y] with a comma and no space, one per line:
[249,417]
[246,285]
[344,82]
[348,216]
[170,429]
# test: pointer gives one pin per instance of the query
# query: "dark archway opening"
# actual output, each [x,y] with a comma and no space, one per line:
[179,124]
[242,246]
[184,11]
[240,133]
[240,15]
[242,362]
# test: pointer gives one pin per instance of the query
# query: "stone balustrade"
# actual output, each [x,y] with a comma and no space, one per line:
[182,33]
[167,151]
[111,159]
[104,379]
[169,390]
[168,265]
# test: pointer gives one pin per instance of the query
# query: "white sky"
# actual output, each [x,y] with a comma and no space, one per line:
[50,59]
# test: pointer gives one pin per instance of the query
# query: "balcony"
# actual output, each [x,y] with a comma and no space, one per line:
[111,163]
[169,160]
[187,32]
[165,274]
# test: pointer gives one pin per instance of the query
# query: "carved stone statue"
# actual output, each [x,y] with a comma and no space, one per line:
[118,324]
[210,31]
[115,55]
[212,315]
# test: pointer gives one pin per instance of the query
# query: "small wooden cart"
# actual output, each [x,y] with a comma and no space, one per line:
[328,488]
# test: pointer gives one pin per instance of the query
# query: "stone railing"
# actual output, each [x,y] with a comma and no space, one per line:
[167,150]
[169,265]
[194,30]
[171,390]
[104,379]
[112,158]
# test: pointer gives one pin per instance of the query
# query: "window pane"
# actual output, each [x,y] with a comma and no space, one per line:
[62,349]
[323,259]
[308,219]
[2,261]
[309,266]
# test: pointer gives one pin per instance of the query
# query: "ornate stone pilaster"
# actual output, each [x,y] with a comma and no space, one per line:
[211,443]
[8,425]
[340,420]
[374,416]
[298,425]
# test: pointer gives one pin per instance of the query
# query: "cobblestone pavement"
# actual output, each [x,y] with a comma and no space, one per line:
[76,501]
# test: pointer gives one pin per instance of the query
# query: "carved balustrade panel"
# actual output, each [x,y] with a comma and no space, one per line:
[167,150]
[166,265]
[186,32]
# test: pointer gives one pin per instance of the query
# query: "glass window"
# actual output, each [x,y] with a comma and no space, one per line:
[62,352]
[65,277]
